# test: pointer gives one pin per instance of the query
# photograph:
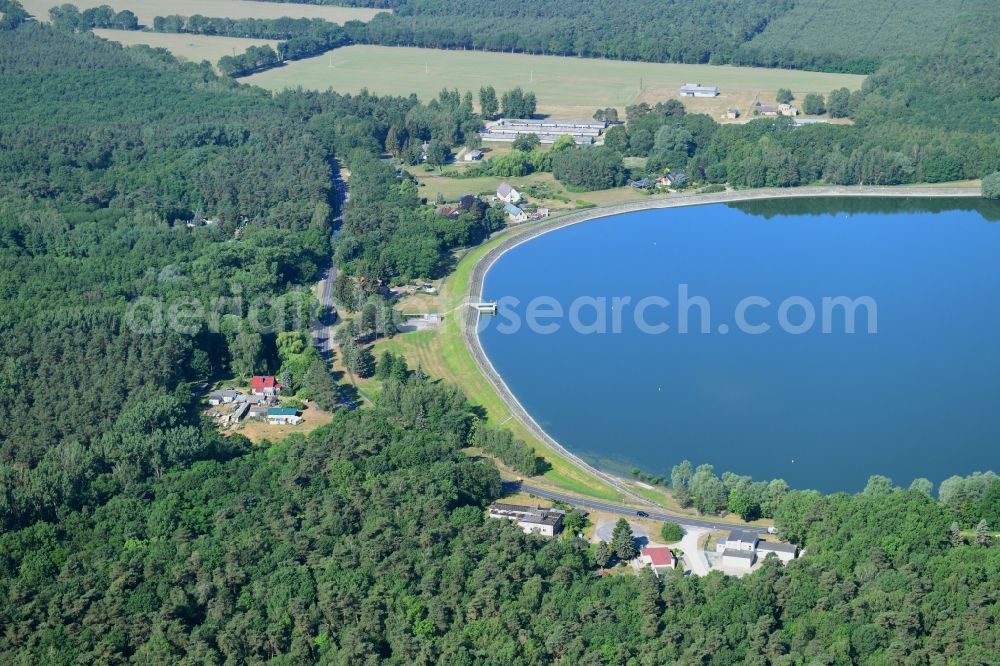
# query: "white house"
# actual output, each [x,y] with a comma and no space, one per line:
[783,551]
[739,551]
[658,558]
[738,559]
[474,156]
[508,194]
[787,110]
[515,214]
[743,548]
[532,520]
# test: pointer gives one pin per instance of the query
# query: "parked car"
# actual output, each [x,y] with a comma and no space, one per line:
[642,514]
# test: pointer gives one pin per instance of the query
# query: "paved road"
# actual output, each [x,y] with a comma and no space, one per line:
[652,514]
[323,330]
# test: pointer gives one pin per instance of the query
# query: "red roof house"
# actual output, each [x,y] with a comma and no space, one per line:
[658,558]
[264,385]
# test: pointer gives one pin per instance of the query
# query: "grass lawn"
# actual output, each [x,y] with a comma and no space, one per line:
[432,183]
[147,10]
[186,47]
[566,87]
[312,417]
[443,355]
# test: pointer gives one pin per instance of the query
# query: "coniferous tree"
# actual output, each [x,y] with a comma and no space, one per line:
[983,537]
[623,540]
[602,555]
[955,534]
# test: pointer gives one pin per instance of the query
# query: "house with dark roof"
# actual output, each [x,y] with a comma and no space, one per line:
[768,110]
[467,202]
[531,519]
[223,397]
[744,548]
[785,552]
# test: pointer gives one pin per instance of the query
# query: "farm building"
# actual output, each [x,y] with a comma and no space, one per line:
[532,520]
[765,110]
[584,132]
[257,411]
[474,156]
[515,214]
[222,397]
[732,114]
[283,416]
[698,90]
[787,110]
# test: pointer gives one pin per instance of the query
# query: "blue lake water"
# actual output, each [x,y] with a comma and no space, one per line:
[918,398]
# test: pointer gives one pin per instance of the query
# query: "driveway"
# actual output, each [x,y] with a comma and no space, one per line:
[605,529]
[694,557]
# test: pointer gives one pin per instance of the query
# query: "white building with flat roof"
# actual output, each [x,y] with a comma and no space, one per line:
[698,90]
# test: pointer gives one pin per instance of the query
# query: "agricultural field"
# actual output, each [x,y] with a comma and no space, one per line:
[186,47]
[565,87]
[147,10]
[854,28]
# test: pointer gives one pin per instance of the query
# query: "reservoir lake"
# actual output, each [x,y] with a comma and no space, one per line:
[754,386]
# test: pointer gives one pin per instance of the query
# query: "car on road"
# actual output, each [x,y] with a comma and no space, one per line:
[642,514]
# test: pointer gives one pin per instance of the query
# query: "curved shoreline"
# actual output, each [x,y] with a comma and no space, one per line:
[474,289]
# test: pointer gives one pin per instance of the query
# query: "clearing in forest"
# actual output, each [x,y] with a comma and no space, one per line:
[566,87]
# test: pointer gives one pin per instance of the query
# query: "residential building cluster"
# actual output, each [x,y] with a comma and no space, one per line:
[743,548]
[261,403]
[531,519]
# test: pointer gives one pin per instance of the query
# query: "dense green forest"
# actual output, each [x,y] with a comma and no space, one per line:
[125,176]
[840,35]
[366,543]
[128,178]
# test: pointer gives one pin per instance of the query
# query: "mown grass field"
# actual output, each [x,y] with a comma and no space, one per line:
[147,10]
[188,47]
[565,87]
[432,183]
[443,355]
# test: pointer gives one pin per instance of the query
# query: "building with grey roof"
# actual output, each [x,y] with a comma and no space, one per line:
[532,520]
